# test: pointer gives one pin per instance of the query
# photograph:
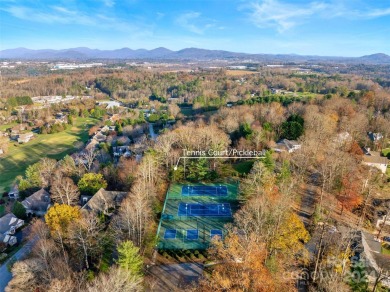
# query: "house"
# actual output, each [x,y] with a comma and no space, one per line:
[374,159]
[342,138]
[287,145]
[105,129]
[14,192]
[60,118]
[375,137]
[8,225]
[121,150]
[84,199]
[104,201]
[100,137]
[24,138]
[38,203]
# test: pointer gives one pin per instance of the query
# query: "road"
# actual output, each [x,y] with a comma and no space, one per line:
[308,202]
[153,135]
[5,275]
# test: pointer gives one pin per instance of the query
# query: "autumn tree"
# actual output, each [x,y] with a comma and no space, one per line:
[239,266]
[90,183]
[58,218]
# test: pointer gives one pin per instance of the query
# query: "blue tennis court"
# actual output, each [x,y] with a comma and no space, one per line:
[212,191]
[170,234]
[205,210]
[215,232]
[192,234]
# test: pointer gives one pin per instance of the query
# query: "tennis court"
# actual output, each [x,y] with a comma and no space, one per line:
[202,190]
[216,232]
[205,210]
[190,220]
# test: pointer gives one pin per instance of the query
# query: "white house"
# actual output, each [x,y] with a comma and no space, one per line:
[8,225]
[287,145]
[373,159]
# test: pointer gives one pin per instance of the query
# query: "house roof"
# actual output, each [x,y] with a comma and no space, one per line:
[104,200]
[7,238]
[39,201]
[285,144]
[7,221]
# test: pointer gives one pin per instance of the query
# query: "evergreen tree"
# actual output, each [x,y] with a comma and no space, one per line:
[19,211]
[129,258]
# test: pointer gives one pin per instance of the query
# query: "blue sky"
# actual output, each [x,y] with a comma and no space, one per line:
[323,27]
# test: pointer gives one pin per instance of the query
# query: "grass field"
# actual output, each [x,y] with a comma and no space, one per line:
[172,219]
[20,156]
[385,249]
[386,151]
[244,167]
[2,210]
[5,127]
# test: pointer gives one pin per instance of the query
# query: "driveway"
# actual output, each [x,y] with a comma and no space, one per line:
[5,275]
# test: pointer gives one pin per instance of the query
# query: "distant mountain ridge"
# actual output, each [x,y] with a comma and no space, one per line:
[84,53]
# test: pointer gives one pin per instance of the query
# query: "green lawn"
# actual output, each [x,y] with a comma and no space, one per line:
[385,151]
[243,167]
[5,127]
[2,209]
[20,156]
[385,249]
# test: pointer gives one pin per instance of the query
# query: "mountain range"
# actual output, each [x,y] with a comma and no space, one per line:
[83,53]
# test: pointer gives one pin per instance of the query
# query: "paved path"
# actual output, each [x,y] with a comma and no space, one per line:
[174,277]
[153,135]
[5,275]
[308,202]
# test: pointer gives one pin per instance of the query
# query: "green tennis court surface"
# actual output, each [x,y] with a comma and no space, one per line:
[195,213]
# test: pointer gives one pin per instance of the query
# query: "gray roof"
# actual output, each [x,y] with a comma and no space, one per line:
[39,201]
[8,221]
[104,200]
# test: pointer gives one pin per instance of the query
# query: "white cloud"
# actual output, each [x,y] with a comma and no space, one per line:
[186,20]
[282,16]
[193,22]
[63,15]
[109,3]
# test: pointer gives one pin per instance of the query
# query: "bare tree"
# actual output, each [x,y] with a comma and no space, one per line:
[64,191]
[85,235]
[133,218]
[116,280]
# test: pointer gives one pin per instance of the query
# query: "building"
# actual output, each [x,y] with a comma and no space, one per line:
[14,192]
[121,151]
[104,202]
[8,225]
[287,146]
[24,138]
[38,203]
[375,137]
[374,159]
